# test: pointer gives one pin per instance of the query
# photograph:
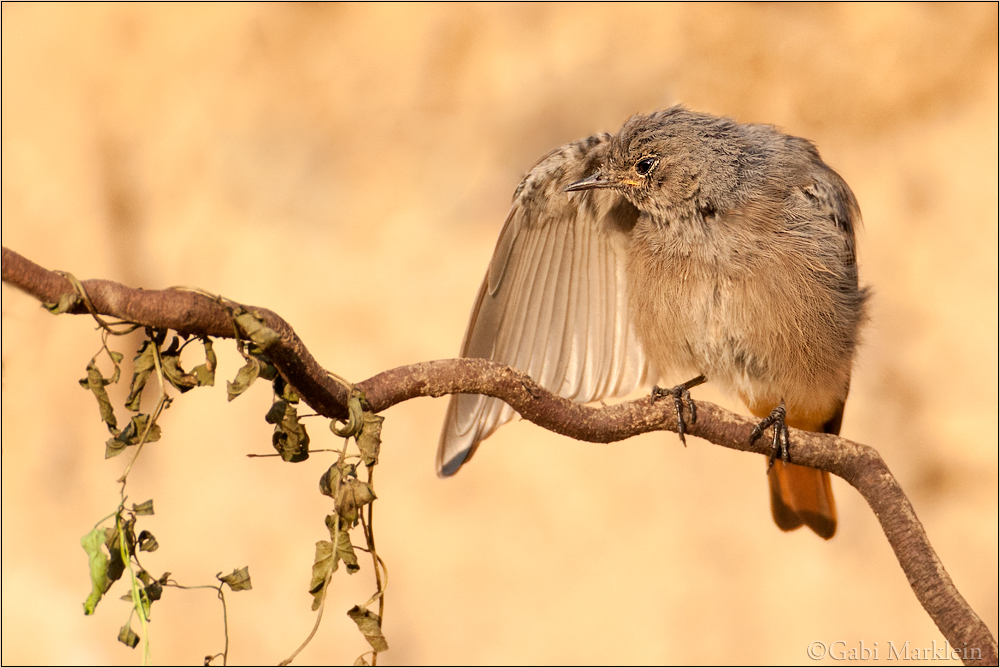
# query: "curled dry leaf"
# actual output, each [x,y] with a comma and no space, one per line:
[370,626]
[238,580]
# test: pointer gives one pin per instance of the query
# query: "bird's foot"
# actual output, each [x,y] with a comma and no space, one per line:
[682,395]
[779,444]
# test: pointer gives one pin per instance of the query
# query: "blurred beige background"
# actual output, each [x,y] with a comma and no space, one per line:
[350,167]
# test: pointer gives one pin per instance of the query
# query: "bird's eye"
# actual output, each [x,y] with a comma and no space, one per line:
[645,166]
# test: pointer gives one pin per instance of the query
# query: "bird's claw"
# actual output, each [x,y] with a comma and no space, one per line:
[779,443]
[682,395]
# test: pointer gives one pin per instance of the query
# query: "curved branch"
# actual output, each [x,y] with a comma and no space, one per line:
[185,312]
[860,465]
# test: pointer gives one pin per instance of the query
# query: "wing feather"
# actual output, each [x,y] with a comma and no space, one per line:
[553,302]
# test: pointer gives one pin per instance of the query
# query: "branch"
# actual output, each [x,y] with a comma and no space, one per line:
[861,466]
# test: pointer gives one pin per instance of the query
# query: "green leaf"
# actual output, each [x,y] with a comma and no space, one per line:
[370,438]
[370,626]
[238,580]
[127,636]
[99,580]
[96,382]
[245,377]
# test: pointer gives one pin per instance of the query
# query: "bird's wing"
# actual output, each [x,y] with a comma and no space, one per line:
[553,302]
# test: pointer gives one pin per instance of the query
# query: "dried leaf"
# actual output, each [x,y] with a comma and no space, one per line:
[131,435]
[238,580]
[324,564]
[127,636]
[267,370]
[345,549]
[370,626]
[337,471]
[151,591]
[370,438]
[144,508]
[113,447]
[245,377]
[255,330]
[328,481]
[284,390]
[67,300]
[147,542]
[96,382]
[205,373]
[351,496]
[290,438]
[355,420]
[143,366]
[154,590]
[116,565]
[170,362]
[276,413]
[116,359]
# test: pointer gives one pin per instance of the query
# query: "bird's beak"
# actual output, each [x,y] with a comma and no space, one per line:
[595,180]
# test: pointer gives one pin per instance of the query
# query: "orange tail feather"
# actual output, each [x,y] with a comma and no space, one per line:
[802,495]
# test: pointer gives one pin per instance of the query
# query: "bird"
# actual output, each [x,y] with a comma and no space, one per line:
[684,245]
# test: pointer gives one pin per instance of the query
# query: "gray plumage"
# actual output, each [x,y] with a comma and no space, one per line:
[688,244]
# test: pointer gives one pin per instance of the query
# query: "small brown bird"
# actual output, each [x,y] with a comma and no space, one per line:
[685,245]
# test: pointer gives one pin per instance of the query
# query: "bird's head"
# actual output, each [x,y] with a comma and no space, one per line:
[658,161]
